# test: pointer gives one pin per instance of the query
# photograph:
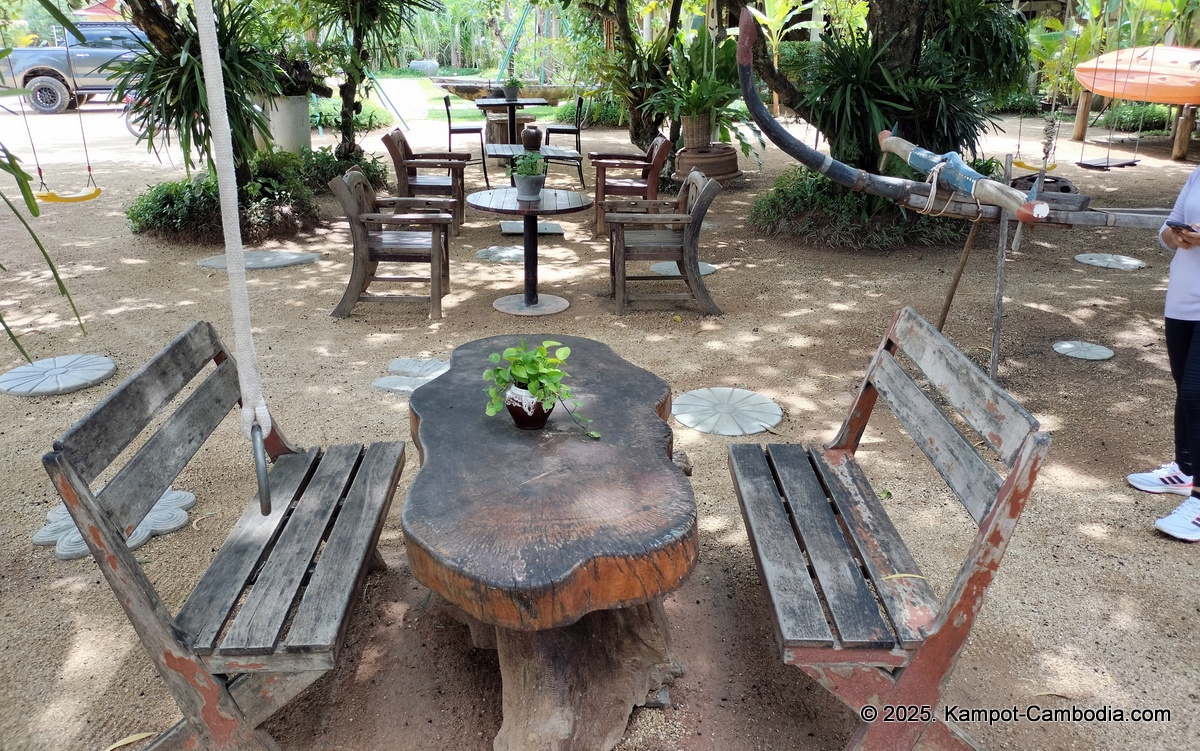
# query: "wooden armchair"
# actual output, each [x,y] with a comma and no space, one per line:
[411,184]
[416,233]
[645,185]
[634,235]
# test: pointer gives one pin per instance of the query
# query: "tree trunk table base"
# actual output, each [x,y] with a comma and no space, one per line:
[574,688]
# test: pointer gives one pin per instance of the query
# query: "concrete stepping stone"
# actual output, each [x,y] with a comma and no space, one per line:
[1083,350]
[57,375]
[1110,261]
[502,254]
[669,268]
[726,411]
[410,373]
[167,515]
[263,259]
[518,228]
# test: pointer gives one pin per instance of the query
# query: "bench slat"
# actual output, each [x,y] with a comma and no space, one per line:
[908,598]
[208,607]
[103,433]
[323,611]
[795,608]
[968,475]
[257,626]
[135,489]
[990,410]
[851,604]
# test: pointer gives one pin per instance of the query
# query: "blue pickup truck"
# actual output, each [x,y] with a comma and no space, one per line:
[68,75]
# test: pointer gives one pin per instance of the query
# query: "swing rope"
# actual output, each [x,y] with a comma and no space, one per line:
[87,158]
[25,119]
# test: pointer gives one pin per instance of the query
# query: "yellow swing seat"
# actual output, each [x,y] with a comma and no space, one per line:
[1034,167]
[49,196]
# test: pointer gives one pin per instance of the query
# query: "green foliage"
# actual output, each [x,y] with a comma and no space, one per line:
[527,164]
[275,203]
[512,82]
[536,370]
[169,93]
[328,113]
[1137,117]
[391,72]
[604,110]
[318,167]
[809,205]
[1016,102]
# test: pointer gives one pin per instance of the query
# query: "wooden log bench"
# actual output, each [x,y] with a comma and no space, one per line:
[849,604]
[269,615]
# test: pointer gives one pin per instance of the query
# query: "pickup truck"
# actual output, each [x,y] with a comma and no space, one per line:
[66,76]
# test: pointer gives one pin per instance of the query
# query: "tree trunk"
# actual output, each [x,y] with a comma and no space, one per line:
[897,21]
[162,30]
[347,148]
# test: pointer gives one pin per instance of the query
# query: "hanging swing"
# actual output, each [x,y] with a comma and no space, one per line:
[44,193]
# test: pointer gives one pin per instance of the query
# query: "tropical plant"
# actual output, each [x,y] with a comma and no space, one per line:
[360,31]
[168,91]
[539,372]
[512,82]
[778,18]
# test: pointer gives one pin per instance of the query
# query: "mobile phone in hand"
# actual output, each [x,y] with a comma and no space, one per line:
[1180,225]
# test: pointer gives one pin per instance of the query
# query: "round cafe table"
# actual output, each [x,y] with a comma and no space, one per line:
[504,201]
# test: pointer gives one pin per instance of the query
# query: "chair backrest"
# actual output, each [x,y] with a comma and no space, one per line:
[354,192]
[397,146]
[449,120]
[695,196]
[578,111]
[656,156]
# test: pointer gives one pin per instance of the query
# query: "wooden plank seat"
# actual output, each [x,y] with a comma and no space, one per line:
[848,603]
[416,233]
[641,230]
[270,613]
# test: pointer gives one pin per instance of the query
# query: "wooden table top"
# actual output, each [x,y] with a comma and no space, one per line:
[529,530]
[514,149]
[553,201]
[485,102]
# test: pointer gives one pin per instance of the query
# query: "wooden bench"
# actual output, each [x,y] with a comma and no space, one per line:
[848,602]
[269,615]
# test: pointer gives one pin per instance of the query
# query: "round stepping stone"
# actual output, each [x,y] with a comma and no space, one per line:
[263,259]
[1110,261]
[669,268]
[409,366]
[57,375]
[1083,350]
[502,254]
[726,411]
[167,515]
[399,383]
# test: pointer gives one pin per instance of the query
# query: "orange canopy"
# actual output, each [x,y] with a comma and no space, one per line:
[1166,75]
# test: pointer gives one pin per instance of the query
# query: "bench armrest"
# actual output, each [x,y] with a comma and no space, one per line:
[610,155]
[408,202]
[442,155]
[613,164]
[384,219]
[435,163]
[647,218]
[630,205]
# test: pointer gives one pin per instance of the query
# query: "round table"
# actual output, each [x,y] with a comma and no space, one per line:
[504,201]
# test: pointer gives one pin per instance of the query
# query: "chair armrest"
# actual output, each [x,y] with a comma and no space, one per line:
[631,205]
[435,204]
[384,219]
[614,164]
[442,155]
[647,218]
[436,163]
[611,155]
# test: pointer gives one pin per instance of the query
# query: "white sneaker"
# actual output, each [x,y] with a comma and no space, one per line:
[1184,522]
[1166,479]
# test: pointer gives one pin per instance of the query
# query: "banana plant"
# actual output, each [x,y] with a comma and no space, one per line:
[778,18]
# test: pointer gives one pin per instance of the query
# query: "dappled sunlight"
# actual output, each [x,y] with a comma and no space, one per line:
[1067,673]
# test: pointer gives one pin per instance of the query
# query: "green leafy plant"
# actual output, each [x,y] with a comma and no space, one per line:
[512,82]
[319,166]
[1137,117]
[328,113]
[528,164]
[539,371]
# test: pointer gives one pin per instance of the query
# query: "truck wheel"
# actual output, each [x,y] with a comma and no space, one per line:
[48,95]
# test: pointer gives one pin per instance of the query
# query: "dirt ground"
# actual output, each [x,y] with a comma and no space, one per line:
[1091,608]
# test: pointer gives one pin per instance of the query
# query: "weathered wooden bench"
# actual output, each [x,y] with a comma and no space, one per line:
[269,615]
[848,602]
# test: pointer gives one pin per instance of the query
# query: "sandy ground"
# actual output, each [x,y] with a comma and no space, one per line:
[1091,608]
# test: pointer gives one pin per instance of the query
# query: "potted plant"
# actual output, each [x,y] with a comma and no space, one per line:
[528,171]
[511,87]
[528,382]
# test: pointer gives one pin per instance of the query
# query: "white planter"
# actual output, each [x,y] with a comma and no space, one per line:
[291,128]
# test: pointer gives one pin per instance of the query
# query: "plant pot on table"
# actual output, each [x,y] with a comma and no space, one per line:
[526,410]
[510,92]
[529,187]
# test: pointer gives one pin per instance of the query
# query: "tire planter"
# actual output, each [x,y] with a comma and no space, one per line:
[48,95]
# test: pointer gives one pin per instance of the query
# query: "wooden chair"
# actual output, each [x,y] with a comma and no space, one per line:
[569,130]
[633,237]
[421,237]
[645,185]
[849,605]
[411,184]
[453,130]
[269,615]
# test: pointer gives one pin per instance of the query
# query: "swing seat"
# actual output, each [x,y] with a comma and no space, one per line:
[1104,163]
[1034,167]
[49,196]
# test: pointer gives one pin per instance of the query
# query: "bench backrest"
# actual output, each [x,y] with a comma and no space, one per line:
[944,391]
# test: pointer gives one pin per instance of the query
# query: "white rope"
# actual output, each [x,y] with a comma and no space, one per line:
[254,407]
[932,179]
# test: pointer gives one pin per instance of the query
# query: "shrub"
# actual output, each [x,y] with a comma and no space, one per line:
[1015,103]
[806,203]
[318,167]
[183,208]
[1137,117]
[605,111]
[328,114]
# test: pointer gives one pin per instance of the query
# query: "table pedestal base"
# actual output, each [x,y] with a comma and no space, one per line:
[573,688]
[546,305]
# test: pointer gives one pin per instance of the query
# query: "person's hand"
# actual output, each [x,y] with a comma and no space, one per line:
[1182,238]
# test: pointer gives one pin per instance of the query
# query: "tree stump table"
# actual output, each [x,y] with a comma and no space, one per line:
[557,549]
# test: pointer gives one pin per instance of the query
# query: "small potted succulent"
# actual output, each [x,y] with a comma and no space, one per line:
[528,382]
[511,87]
[528,172]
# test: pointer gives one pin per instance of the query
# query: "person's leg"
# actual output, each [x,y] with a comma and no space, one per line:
[1176,476]
[1183,352]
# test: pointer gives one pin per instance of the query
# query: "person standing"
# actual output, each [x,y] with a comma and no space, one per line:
[1182,331]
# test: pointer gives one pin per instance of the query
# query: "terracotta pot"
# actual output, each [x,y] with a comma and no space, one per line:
[527,412]
[697,131]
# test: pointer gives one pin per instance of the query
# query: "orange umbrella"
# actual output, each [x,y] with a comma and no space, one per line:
[1166,75]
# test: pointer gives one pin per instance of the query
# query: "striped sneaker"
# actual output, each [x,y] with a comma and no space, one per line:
[1184,522]
[1166,479]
